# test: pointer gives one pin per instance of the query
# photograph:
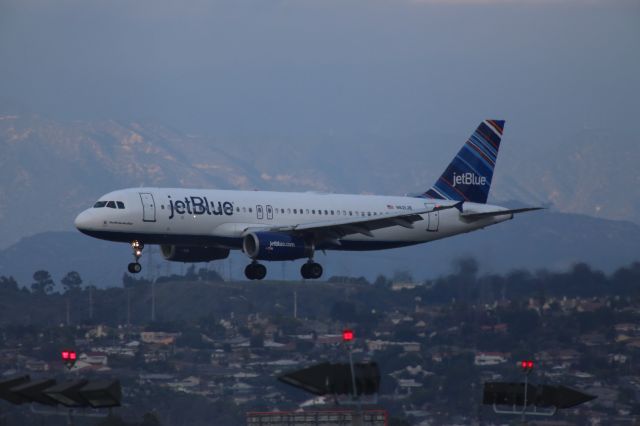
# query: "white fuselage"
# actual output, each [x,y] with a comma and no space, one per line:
[223,217]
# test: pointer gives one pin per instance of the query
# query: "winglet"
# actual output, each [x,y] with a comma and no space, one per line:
[458,205]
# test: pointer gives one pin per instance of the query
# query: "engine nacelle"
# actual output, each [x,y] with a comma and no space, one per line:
[193,253]
[275,246]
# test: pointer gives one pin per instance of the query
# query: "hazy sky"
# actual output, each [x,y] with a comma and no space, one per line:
[305,66]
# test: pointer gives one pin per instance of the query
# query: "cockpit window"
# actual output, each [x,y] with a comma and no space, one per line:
[111,204]
[99,204]
[120,204]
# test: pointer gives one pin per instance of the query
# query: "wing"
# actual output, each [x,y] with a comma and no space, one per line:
[336,229]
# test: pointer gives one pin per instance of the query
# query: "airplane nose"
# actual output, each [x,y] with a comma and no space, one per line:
[83,221]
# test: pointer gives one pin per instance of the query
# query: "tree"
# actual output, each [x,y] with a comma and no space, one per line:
[150,419]
[402,276]
[43,282]
[381,281]
[343,311]
[71,282]
[8,283]
[257,341]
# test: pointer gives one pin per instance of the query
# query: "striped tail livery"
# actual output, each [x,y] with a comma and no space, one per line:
[468,177]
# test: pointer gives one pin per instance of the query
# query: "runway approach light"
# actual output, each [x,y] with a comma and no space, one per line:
[11,382]
[544,396]
[347,335]
[68,394]
[69,357]
[335,379]
[527,366]
[74,394]
[34,391]
[102,393]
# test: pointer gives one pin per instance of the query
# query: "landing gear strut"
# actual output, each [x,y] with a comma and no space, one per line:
[311,270]
[135,266]
[255,271]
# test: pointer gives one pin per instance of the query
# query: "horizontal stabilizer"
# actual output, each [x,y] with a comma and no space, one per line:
[476,216]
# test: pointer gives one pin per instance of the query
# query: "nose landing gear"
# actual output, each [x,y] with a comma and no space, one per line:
[135,266]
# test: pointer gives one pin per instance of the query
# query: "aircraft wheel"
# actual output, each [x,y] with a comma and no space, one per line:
[249,272]
[304,271]
[134,267]
[315,270]
[260,271]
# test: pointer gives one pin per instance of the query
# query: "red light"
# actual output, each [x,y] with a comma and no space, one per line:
[347,335]
[527,365]
[72,356]
[65,354]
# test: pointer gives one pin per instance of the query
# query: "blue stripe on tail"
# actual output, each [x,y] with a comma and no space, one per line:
[468,177]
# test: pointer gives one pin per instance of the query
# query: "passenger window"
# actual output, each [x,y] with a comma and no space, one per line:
[350,213]
[319,211]
[111,204]
[99,204]
[307,211]
[338,212]
[313,212]
[295,211]
[237,209]
[289,211]
[326,212]
[332,212]
[369,214]
[121,204]
[250,210]
[344,212]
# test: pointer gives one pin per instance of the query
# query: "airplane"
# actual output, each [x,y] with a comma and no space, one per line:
[202,225]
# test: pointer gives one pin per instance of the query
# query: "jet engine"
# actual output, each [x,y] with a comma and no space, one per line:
[275,246]
[193,253]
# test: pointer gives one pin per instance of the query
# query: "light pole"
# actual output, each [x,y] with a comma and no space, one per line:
[347,338]
[527,367]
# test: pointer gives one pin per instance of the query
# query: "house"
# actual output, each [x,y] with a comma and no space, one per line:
[36,365]
[490,358]
[96,359]
[403,286]
[380,345]
[159,337]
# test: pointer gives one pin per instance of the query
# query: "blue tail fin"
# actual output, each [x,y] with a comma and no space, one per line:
[468,177]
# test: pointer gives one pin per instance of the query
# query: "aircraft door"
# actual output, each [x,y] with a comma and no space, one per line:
[259,212]
[148,207]
[433,218]
[269,212]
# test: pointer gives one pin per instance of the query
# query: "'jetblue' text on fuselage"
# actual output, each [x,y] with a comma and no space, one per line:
[199,206]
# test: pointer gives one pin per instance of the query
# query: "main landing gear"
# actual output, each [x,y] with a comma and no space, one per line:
[137,247]
[311,270]
[255,271]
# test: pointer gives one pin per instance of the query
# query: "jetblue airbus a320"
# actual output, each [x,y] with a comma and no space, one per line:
[201,225]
